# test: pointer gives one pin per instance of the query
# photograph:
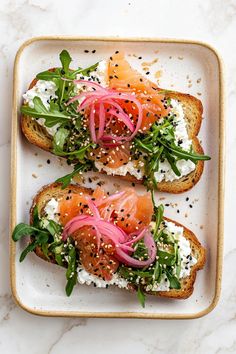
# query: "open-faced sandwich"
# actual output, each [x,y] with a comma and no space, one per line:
[112,119]
[119,239]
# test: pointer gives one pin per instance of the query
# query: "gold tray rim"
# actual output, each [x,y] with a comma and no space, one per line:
[220,236]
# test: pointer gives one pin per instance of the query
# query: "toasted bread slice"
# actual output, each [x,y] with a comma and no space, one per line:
[38,135]
[54,191]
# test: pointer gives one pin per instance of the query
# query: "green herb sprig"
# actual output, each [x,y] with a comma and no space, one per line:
[78,168]
[159,144]
[46,234]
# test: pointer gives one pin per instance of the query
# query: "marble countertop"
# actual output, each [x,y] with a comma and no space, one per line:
[212,21]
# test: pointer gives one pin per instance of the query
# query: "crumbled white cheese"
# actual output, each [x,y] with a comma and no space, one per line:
[187,260]
[51,210]
[86,278]
[46,91]
[181,133]
[166,173]
[133,168]
[181,138]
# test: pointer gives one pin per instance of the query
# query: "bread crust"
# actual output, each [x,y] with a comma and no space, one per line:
[54,190]
[193,109]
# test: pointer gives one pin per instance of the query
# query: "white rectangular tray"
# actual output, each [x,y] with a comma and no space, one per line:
[185,66]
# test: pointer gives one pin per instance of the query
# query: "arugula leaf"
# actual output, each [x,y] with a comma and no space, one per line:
[172,161]
[71,273]
[59,259]
[52,116]
[85,72]
[48,75]
[157,272]
[145,147]
[141,251]
[159,144]
[65,59]
[141,296]
[59,140]
[166,257]
[53,228]
[183,154]
[128,274]
[174,282]
[29,248]
[22,230]
[79,167]
[159,211]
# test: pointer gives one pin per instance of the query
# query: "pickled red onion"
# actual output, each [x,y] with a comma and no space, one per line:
[122,241]
[132,262]
[95,100]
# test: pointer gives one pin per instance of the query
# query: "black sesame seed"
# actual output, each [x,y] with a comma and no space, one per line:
[48,161]
[86,51]
[94,51]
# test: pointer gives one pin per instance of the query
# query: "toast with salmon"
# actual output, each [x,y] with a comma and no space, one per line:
[119,239]
[110,118]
